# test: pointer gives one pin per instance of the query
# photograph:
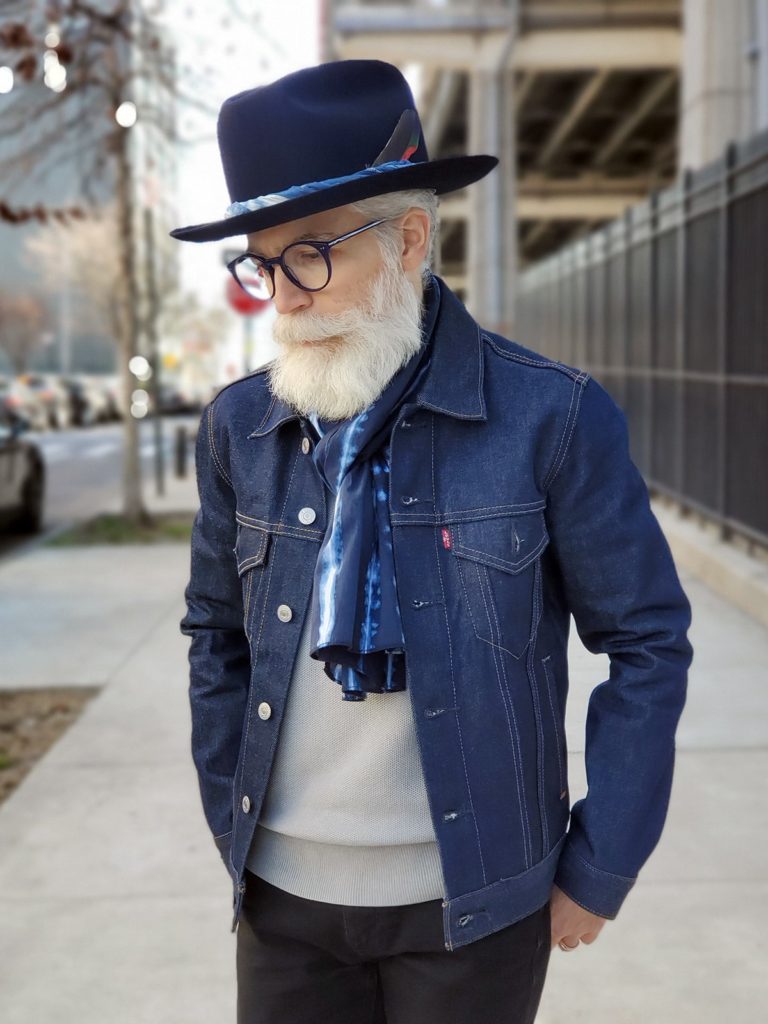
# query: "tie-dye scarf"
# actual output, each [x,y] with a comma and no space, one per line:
[355,615]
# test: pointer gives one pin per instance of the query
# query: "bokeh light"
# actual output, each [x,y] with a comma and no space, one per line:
[126,114]
[6,79]
[139,367]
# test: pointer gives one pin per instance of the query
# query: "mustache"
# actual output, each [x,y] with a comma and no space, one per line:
[294,328]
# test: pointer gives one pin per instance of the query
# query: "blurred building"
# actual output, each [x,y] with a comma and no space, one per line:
[589,106]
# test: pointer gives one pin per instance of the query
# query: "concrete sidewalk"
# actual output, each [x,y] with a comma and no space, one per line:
[115,906]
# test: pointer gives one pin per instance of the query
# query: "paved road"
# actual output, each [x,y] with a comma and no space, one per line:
[84,467]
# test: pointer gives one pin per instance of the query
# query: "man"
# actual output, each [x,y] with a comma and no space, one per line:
[398,515]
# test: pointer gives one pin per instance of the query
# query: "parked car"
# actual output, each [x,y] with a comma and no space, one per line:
[22,477]
[88,400]
[53,397]
[173,398]
[100,396]
[110,386]
[81,409]
[19,400]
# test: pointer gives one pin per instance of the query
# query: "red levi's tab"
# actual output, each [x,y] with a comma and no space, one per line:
[446,537]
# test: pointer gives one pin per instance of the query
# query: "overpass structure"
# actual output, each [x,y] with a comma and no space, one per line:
[582,101]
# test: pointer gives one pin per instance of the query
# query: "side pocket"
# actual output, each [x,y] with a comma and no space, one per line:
[557,727]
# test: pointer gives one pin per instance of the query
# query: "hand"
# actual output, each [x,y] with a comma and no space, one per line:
[571,922]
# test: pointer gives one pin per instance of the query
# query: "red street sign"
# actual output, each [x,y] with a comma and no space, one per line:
[241,301]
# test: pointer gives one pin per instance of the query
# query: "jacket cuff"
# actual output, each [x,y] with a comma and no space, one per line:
[598,891]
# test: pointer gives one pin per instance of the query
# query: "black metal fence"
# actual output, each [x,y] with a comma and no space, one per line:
[667,308]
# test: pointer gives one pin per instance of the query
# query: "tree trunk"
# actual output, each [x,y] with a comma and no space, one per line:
[133,505]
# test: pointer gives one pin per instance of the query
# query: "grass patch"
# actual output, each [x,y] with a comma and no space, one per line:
[110,528]
[31,721]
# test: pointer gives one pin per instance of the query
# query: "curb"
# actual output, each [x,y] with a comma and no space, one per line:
[738,577]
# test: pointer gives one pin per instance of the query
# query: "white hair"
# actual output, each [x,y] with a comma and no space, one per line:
[394,204]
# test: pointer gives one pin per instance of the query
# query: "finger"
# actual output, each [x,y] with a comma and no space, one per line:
[594,931]
[557,938]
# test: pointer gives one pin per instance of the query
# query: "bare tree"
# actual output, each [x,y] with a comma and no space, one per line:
[82,257]
[184,316]
[22,319]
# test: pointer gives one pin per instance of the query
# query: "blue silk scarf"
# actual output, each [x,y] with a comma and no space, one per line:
[355,624]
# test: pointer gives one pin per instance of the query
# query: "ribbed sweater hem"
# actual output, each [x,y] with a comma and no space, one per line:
[359,876]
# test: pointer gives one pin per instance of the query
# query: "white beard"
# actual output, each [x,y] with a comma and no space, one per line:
[336,364]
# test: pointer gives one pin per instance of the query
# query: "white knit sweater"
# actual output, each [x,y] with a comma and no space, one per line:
[345,817]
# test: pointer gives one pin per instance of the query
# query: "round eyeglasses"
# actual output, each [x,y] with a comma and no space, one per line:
[307,264]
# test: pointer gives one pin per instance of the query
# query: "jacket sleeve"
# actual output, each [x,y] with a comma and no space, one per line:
[623,591]
[219,656]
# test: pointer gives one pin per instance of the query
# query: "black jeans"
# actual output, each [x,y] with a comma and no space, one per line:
[301,961]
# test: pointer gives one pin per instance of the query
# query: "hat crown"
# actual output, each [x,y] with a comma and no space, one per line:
[321,122]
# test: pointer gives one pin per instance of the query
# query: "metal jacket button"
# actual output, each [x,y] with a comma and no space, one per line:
[307,515]
[265,710]
[246,804]
[284,613]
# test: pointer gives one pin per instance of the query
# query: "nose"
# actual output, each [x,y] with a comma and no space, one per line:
[288,296]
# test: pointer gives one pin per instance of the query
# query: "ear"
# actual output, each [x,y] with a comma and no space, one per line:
[415,225]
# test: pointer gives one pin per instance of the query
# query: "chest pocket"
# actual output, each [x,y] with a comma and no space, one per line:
[498,561]
[251,547]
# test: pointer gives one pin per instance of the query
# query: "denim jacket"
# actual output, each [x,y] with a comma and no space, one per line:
[514,505]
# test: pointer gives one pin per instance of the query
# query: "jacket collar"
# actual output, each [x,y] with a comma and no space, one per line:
[453,382]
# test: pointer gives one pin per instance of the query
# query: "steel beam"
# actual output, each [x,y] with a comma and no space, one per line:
[655,94]
[571,117]
[553,50]
[575,207]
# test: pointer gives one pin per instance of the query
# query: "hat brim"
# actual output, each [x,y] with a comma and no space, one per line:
[445,175]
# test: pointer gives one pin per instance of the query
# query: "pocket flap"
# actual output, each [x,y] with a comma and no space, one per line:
[509,543]
[251,547]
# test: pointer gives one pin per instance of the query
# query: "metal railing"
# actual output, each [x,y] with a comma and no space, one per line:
[667,308]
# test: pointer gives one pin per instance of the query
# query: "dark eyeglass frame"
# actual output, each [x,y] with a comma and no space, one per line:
[323,247]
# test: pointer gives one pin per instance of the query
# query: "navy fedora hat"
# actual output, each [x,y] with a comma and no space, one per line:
[321,137]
